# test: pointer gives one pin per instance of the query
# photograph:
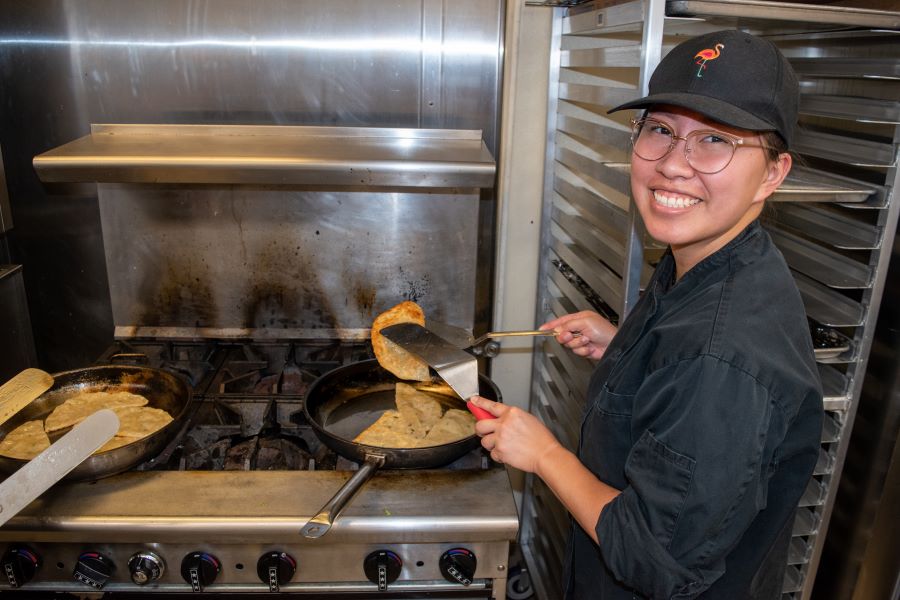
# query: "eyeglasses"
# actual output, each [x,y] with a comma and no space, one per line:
[707,151]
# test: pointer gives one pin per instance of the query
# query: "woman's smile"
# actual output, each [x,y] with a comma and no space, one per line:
[669,199]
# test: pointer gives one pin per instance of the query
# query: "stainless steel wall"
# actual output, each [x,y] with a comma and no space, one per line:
[65,64]
[270,264]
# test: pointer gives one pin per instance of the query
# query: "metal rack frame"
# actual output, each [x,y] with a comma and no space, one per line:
[834,218]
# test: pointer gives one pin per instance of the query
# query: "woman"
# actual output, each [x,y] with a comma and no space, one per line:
[703,415]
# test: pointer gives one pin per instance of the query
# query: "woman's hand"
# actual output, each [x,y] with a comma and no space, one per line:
[520,440]
[515,437]
[585,333]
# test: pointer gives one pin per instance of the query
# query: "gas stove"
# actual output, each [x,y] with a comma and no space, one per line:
[220,509]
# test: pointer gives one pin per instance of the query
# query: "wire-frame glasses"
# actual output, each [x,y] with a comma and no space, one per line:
[706,150]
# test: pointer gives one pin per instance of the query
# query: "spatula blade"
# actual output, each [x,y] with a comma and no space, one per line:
[40,473]
[459,369]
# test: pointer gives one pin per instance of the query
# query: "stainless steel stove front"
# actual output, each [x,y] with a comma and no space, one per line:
[86,535]
[220,510]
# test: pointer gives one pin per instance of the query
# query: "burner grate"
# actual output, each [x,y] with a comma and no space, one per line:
[194,361]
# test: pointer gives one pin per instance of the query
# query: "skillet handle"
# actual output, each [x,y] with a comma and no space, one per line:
[320,524]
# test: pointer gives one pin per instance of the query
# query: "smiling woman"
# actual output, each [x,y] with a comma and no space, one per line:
[699,199]
[704,411]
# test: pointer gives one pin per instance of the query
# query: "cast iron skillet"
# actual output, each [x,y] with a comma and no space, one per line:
[162,390]
[343,402]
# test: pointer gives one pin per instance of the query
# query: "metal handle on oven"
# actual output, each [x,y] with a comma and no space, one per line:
[320,524]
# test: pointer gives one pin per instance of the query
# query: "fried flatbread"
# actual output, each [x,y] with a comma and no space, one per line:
[25,441]
[78,408]
[390,431]
[135,423]
[437,387]
[418,421]
[392,357]
[138,422]
[454,425]
[117,441]
[419,409]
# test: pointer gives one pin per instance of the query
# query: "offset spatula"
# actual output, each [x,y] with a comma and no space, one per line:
[458,368]
[51,465]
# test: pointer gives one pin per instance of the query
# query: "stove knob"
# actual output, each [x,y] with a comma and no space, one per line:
[275,568]
[382,567]
[458,565]
[200,569]
[145,567]
[20,564]
[93,569]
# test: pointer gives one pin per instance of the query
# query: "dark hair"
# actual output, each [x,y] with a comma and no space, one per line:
[776,145]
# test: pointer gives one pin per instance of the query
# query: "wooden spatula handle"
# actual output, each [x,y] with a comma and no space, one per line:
[21,390]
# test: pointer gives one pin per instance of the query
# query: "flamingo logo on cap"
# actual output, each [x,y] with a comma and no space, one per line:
[705,56]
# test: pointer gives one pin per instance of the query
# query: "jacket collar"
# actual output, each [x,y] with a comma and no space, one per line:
[663,282]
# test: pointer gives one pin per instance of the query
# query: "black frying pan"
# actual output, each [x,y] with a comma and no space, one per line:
[342,403]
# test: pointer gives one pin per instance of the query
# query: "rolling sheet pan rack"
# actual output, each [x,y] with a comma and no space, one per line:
[834,218]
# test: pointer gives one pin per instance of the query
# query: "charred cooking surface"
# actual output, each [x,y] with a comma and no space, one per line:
[217,448]
[273,369]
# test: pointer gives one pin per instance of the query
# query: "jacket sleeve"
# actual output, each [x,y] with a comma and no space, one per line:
[697,475]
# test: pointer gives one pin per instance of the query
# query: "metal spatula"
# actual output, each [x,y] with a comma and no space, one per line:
[458,368]
[51,465]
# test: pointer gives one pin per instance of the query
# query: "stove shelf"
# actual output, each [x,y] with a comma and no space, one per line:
[322,157]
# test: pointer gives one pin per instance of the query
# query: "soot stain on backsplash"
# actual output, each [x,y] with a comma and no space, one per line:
[414,289]
[184,297]
[365,299]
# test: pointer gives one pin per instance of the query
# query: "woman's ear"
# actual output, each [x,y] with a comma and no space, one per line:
[776,171]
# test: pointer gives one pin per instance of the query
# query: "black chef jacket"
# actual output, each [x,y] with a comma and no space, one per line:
[706,411]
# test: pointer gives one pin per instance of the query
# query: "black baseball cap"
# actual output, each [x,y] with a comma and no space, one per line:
[731,77]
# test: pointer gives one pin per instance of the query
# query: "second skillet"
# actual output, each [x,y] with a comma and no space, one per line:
[343,402]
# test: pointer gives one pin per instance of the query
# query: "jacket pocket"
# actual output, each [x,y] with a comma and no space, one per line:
[606,436]
[611,404]
[662,479]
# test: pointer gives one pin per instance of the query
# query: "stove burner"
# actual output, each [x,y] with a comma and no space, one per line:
[248,380]
[282,369]
[237,453]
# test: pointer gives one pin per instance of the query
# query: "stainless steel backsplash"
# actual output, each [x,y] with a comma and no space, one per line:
[65,64]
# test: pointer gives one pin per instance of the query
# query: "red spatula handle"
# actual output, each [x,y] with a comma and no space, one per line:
[480,413]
